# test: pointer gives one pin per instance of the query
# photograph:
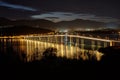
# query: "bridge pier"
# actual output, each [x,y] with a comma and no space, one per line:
[111,43]
[82,43]
[93,45]
[105,44]
[77,47]
[98,44]
[71,48]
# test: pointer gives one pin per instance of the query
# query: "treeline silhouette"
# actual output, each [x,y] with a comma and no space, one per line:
[111,55]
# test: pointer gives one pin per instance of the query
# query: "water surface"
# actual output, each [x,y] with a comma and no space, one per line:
[17,50]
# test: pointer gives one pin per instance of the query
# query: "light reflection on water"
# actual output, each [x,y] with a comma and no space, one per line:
[34,50]
[37,49]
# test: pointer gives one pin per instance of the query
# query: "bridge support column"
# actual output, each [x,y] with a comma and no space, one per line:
[71,47]
[93,45]
[111,43]
[77,47]
[55,42]
[98,44]
[70,40]
[82,43]
[105,44]
[61,39]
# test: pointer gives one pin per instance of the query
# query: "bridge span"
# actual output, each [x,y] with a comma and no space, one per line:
[75,40]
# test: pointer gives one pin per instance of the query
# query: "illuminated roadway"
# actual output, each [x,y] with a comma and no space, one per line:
[77,36]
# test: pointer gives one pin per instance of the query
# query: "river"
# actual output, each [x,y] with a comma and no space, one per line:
[13,50]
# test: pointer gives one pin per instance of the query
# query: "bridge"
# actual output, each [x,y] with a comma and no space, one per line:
[75,40]
[70,46]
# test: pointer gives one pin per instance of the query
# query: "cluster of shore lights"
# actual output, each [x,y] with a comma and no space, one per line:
[11,36]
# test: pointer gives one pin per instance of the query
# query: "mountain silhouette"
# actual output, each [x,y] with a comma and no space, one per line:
[79,23]
[46,24]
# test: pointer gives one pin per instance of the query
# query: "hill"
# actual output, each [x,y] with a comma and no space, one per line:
[23,30]
[74,24]
[79,24]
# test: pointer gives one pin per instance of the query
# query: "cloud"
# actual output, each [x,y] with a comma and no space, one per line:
[66,16]
[15,6]
[52,18]
[61,16]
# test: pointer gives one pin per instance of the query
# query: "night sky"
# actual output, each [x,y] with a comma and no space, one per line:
[58,10]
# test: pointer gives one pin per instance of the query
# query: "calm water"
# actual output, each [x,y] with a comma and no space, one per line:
[15,50]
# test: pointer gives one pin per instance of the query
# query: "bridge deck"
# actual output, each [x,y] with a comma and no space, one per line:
[78,36]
